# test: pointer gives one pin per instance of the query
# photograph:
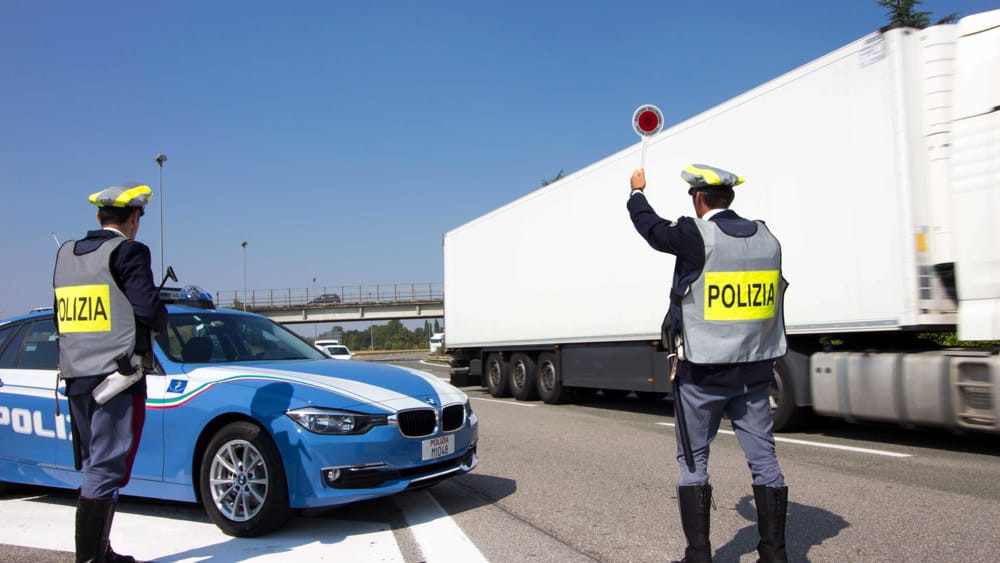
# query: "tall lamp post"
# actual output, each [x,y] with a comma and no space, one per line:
[244,245]
[160,159]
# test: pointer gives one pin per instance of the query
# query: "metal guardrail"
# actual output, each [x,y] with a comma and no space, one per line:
[330,296]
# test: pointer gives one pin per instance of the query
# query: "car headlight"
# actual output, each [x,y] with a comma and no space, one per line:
[328,421]
[469,414]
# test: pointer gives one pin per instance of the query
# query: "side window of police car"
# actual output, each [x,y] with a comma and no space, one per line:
[33,348]
[8,354]
[40,349]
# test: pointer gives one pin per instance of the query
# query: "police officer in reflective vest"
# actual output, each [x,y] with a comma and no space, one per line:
[106,306]
[727,325]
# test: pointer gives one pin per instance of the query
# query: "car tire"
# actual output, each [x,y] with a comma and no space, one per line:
[523,378]
[497,376]
[242,481]
[549,381]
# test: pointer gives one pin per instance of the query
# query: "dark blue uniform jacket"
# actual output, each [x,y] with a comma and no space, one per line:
[683,240]
[130,267]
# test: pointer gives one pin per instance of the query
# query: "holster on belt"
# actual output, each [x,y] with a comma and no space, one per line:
[125,377]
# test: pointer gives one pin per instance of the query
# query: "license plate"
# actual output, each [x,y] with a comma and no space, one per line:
[438,447]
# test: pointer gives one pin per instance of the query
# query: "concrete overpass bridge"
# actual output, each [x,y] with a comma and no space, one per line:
[345,303]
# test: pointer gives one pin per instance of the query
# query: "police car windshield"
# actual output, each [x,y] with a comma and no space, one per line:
[212,337]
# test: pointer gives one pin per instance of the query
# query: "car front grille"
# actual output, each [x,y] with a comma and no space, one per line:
[414,424]
[451,418]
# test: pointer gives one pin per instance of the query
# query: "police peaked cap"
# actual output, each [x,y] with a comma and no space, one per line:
[123,195]
[704,177]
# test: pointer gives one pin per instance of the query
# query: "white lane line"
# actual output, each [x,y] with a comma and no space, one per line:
[816,444]
[182,534]
[426,363]
[439,537]
[515,403]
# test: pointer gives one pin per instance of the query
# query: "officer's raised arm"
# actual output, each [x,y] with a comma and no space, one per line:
[657,231]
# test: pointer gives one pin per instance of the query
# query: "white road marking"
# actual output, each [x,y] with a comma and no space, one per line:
[439,537]
[515,403]
[816,444]
[184,534]
[426,363]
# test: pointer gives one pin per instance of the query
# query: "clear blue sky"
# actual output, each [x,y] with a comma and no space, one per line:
[342,139]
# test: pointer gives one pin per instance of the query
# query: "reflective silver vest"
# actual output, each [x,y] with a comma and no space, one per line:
[96,320]
[733,312]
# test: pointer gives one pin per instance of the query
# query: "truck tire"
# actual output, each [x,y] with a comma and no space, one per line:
[550,387]
[497,376]
[784,413]
[523,377]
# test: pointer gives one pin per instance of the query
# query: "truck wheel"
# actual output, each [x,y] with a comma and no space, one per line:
[785,415]
[550,387]
[523,378]
[497,376]
[242,481]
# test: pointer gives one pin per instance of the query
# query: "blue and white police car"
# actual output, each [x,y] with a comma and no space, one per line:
[245,417]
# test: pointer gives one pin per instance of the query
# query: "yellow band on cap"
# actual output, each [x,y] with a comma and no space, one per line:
[124,198]
[711,178]
[131,193]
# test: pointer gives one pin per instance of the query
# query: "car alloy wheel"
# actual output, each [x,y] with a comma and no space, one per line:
[241,481]
[238,478]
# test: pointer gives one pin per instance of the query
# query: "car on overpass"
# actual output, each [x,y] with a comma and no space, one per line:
[245,417]
[326,298]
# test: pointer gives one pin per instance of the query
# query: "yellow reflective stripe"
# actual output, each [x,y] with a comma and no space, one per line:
[739,180]
[711,178]
[93,198]
[129,194]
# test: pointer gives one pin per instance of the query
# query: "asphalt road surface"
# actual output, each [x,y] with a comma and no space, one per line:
[595,481]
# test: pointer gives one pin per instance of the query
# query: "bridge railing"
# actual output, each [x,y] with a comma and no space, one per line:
[329,296]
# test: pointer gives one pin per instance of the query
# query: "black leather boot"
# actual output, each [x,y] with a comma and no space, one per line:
[772,507]
[91,521]
[110,556]
[695,501]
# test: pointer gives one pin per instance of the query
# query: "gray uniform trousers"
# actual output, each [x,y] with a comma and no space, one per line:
[109,438]
[745,399]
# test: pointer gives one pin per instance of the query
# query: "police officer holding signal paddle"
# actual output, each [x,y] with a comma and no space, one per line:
[724,329]
[106,307]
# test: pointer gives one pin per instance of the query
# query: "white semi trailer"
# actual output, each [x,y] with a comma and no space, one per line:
[878,168]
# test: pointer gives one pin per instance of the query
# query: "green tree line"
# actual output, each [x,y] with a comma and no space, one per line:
[390,336]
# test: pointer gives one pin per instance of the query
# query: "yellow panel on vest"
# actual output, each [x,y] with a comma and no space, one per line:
[83,308]
[740,296]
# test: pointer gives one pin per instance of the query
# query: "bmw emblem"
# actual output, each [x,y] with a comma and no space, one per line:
[430,401]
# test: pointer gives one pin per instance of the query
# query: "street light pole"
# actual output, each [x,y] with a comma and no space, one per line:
[244,245]
[160,159]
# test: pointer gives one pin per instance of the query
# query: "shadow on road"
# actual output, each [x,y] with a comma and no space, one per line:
[806,527]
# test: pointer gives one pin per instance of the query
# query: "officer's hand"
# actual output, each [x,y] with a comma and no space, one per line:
[639,179]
